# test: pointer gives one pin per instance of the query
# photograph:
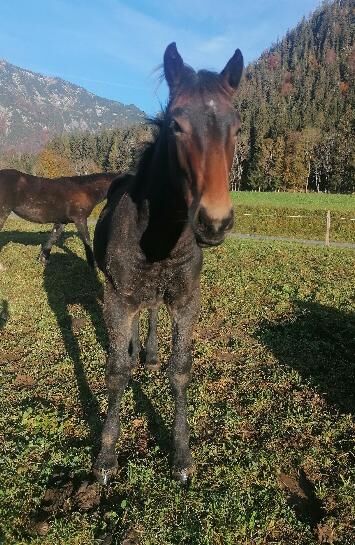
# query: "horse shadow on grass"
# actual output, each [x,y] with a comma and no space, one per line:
[320,345]
[69,281]
[31,238]
[4,312]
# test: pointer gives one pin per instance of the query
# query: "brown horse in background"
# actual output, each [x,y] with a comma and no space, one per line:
[69,199]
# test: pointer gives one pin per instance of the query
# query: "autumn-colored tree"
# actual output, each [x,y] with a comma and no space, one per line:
[52,165]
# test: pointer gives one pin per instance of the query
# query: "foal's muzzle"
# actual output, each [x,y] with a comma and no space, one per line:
[211,232]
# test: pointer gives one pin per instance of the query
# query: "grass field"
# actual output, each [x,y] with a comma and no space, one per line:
[271,404]
[297,215]
[304,201]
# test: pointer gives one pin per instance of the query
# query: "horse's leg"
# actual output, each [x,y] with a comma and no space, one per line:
[151,349]
[3,217]
[135,345]
[184,314]
[119,319]
[82,227]
[47,246]
[4,214]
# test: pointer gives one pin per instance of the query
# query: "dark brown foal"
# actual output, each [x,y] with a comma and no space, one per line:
[149,236]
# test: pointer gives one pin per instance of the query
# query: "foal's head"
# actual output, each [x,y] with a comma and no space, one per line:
[203,128]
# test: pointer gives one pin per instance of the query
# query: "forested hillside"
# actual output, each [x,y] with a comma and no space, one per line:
[297,108]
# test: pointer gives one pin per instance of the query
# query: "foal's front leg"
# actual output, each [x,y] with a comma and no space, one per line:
[119,318]
[184,315]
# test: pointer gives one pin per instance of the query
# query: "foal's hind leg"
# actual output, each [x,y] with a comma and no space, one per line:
[119,318]
[83,231]
[47,246]
[151,348]
[184,315]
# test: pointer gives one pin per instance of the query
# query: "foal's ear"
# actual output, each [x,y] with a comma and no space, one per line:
[173,66]
[232,72]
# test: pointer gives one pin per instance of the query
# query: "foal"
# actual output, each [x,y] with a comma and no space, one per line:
[149,236]
[60,201]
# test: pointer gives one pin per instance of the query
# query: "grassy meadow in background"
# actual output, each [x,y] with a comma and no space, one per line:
[297,215]
[270,403]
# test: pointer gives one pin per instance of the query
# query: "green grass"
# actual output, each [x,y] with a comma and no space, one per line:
[297,215]
[270,403]
[300,201]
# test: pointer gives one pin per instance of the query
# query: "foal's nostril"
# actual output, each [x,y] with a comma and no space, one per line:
[227,224]
[214,226]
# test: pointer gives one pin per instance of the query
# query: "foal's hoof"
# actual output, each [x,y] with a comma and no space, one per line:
[43,259]
[104,471]
[184,475]
[153,365]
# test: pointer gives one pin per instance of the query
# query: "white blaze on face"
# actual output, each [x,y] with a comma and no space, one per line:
[212,105]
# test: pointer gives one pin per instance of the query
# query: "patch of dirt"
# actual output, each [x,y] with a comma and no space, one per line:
[132,538]
[218,389]
[303,500]
[65,494]
[56,499]
[11,356]
[78,324]
[24,381]
[209,332]
[226,357]
[142,440]
[87,496]
[325,533]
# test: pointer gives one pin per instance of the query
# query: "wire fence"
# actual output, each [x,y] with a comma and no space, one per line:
[314,226]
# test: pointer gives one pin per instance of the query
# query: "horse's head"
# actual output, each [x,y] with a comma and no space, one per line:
[203,128]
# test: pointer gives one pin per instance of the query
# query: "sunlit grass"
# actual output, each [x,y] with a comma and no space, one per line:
[270,402]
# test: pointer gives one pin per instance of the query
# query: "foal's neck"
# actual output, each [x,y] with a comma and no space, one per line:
[165,185]
[164,204]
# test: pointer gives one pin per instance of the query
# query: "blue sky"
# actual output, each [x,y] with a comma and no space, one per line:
[112,47]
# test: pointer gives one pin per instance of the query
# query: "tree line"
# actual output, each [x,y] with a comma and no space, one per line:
[114,150]
[297,108]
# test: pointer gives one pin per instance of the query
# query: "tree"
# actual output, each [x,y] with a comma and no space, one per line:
[49,164]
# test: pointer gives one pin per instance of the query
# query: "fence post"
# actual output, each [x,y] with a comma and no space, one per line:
[327,233]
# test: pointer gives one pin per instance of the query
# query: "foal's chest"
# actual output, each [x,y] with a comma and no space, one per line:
[151,284]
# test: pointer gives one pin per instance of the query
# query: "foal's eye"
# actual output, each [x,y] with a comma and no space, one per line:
[174,125]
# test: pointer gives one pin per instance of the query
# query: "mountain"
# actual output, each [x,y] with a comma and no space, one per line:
[34,108]
[297,107]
